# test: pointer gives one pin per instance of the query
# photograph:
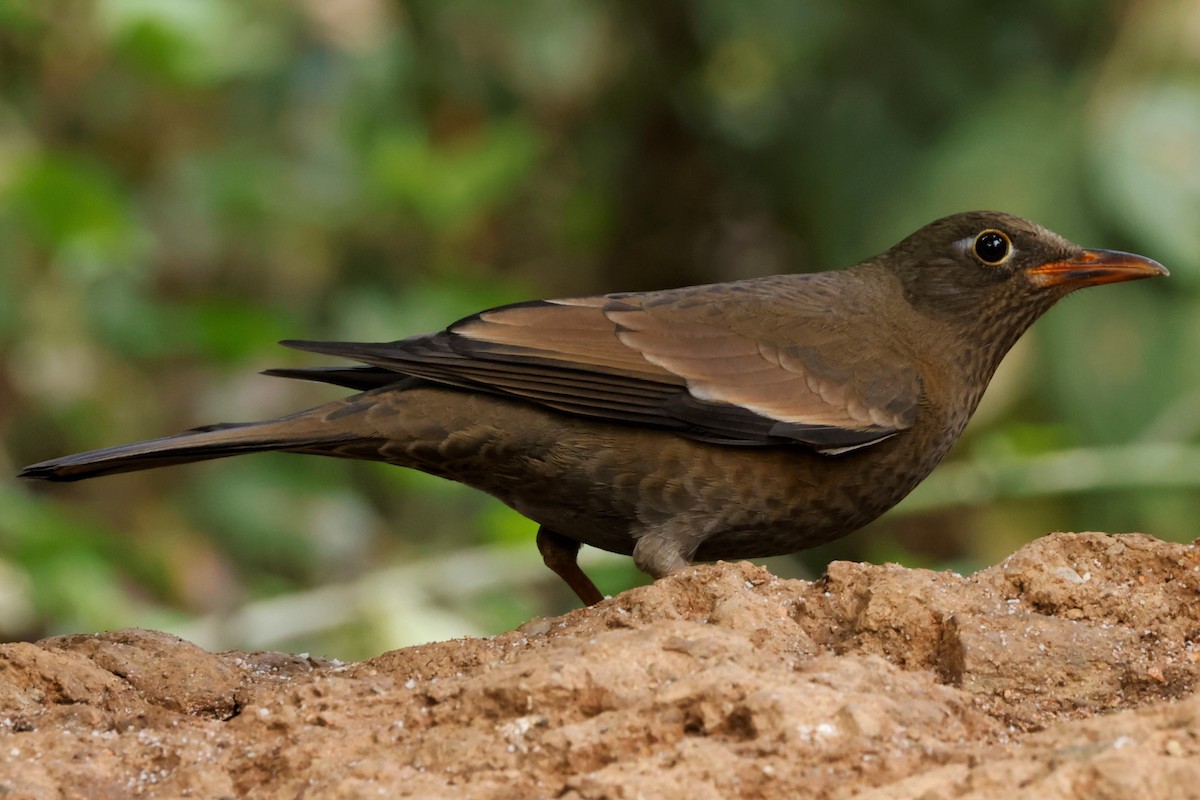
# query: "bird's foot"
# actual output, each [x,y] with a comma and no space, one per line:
[559,554]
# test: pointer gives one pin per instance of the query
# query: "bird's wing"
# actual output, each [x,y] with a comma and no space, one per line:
[742,371]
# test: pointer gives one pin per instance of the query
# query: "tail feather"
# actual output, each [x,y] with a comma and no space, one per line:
[198,444]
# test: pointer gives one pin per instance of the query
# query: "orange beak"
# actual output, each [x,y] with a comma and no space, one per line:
[1093,267]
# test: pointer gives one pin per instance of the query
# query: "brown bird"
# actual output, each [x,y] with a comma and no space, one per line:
[734,420]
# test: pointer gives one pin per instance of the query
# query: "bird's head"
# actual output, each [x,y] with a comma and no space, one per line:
[980,262]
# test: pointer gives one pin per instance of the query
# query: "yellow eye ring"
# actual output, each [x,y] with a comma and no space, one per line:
[992,247]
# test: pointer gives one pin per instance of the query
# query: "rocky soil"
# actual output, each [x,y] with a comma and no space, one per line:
[1068,671]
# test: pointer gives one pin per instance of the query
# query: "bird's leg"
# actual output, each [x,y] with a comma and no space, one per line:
[660,551]
[559,553]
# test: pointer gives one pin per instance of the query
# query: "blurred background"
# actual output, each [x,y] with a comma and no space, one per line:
[184,182]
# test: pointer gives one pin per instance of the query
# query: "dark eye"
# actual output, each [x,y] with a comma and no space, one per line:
[992,248]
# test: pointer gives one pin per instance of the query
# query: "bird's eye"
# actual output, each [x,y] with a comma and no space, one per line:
[992,247]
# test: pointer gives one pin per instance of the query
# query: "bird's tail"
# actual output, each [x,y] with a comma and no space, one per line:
[291,433]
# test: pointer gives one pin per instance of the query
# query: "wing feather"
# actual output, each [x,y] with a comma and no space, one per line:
[746,367]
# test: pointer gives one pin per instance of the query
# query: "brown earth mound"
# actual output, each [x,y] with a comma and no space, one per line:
[1066,671]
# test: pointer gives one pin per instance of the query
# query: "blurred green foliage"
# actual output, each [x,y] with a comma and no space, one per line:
[183,183]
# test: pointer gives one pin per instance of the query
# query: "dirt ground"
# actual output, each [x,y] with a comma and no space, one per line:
[1065,672]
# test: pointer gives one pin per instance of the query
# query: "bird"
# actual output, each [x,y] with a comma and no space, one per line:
[733,420]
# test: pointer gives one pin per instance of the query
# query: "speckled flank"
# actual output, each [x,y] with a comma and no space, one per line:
[608,486]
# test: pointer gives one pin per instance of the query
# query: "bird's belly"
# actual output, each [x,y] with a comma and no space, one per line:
[729,504]
[606,485]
